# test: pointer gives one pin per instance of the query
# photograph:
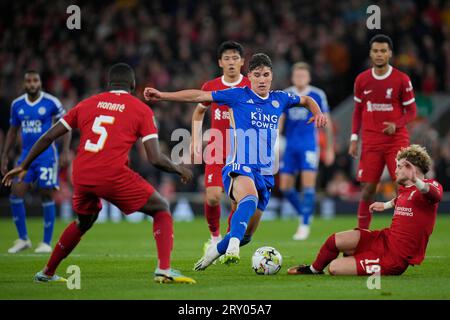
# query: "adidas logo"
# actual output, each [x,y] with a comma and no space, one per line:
[21,111]
[250,101]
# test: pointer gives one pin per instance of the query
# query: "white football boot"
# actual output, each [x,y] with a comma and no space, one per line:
[20,245]
[232,253]
[43,248]
[302,233]
[208,258]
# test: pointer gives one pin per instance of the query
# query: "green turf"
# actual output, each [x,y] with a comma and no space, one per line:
[117,262]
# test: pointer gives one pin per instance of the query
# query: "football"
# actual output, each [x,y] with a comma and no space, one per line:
[266,261]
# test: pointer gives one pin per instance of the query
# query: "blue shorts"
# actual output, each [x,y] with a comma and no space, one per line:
[264,183]
[299,159]
[44,173]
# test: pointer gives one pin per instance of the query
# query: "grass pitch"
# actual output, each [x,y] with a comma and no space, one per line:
[117,262]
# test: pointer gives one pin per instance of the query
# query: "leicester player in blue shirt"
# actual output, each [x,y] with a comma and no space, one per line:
[32,113]
[251,162]
[303,157]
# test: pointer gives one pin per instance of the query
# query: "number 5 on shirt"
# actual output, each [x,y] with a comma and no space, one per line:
[99,129]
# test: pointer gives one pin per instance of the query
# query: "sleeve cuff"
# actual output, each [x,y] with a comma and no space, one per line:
[65,124]
[150,136]
[357,99]
[354,137]
[409,101]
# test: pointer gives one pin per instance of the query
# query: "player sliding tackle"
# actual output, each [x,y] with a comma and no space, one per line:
[110,123]
[389,251]
[248,174]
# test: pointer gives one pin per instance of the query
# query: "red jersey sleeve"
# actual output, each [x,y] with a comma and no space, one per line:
[408,102]
[147,127]
[70,120]
[357,112]
[206,87]
[434,193]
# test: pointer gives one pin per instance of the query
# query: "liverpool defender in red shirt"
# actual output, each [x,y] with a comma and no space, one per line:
[109,124]
[391,250]
[231,60]
[384,104]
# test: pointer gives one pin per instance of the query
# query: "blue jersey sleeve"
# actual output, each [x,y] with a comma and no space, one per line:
[227,96]
[14,120]
[58,110]
[292,100]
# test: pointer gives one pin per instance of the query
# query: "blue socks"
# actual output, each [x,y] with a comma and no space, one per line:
[309,196]
[49,220]
[18,212]
[305,206]
[294,199]
[245,210]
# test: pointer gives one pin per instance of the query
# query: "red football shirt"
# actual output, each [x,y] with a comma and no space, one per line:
[413,221]
[109,124]
[383,98]
[220,116]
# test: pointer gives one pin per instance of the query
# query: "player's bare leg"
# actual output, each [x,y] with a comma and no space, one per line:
[18,192]
[345,266]
[69,239]
[367,196]
[345,241]
[158,208]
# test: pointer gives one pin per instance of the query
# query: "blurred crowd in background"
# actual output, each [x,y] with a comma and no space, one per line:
[172,45]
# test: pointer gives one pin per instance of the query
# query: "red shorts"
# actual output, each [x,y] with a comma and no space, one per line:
[130,192]
[374,158]
[213,175]
[373,255]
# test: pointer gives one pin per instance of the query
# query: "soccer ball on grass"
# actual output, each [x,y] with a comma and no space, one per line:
[267,261]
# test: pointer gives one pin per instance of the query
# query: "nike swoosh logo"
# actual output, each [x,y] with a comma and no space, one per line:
[362,264]
[367,92]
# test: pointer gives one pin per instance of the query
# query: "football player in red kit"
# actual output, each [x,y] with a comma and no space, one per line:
[231,60]
[109,124]
[384,104]
[391,250]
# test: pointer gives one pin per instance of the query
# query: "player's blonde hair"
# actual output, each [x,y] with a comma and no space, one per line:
[417,155]
[301,66]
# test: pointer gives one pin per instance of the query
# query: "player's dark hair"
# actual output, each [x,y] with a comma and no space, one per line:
[121,75]
[382,38]
[230,45]
[31,71]
[259,60]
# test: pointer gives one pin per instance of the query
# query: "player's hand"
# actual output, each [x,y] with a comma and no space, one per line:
[16,172]
[64,159]
[151,94]
[390,128]
[185,173]
[376,206]
[320,120]
[410,171]
[353,149]
[329,157]
[4,164]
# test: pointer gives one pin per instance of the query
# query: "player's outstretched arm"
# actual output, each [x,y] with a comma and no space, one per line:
[191,95]
[57,130]
[319,118]
[162,162]
[381,206]
[196,132]
[10,139]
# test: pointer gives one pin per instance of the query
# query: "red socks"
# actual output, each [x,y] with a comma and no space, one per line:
[229,220]
[212,215]
[364,215]
[328,252]
[163,233]
[67,242]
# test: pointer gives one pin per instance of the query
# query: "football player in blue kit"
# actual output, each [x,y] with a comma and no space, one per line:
[32,114]
[251,163]
[303,157]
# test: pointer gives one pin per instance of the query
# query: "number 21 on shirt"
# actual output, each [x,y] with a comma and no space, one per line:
[99,129]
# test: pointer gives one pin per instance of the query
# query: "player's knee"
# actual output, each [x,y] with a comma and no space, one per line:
[18,192]
[246,240]
[85,222]
[213,198]
[46,195]
[368,191]
[332,268]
